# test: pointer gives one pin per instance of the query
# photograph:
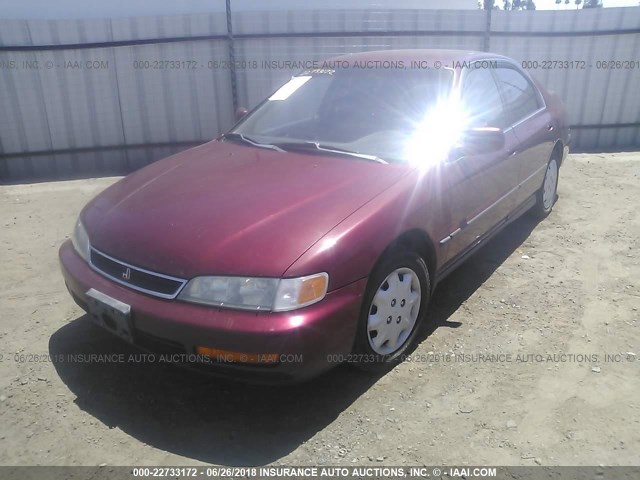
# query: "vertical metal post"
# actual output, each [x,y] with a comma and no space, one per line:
[232,58]
[487,31]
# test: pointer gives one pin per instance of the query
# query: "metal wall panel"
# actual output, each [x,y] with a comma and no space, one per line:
[55,32]
[594,95]
[55,114]
[370,20]
[14,32]
[24,126]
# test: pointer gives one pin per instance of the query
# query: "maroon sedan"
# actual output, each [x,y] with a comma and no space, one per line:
[317,228]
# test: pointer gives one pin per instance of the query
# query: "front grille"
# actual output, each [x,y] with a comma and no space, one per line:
[153,283]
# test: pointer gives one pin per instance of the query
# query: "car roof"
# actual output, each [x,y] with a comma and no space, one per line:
[447,57]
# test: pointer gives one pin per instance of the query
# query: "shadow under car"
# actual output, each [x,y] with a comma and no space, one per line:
[225,422]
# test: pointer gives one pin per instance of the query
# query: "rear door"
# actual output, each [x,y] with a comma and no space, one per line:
[532,124]
[482,185]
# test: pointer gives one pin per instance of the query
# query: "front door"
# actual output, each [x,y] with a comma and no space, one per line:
[482,185]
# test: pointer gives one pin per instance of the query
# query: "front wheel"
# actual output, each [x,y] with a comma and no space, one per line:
[395,303]
[546,196]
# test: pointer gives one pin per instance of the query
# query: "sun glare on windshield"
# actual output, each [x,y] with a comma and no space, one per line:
[290,87]
[362,112]
[438,131]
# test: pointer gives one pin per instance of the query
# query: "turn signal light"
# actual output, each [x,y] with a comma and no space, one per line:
[312,288]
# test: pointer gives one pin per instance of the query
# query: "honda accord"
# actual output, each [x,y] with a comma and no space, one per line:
[316,229]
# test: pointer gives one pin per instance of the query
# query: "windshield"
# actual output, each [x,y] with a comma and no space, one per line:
[377,113]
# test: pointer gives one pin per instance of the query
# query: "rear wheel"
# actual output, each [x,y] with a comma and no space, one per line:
[393,309]
[546,196]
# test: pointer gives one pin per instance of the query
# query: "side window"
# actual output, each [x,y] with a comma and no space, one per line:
[520,97]
[481,99]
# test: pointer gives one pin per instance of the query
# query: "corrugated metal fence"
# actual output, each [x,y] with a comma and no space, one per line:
[81,97]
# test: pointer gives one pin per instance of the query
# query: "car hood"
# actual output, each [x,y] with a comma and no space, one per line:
[230,209]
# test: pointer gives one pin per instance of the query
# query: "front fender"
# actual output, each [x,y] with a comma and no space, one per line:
[351,249]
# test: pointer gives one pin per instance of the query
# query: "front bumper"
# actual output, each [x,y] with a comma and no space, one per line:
[307,340]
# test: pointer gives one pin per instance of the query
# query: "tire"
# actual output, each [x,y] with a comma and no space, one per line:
[384,314]
[546,196]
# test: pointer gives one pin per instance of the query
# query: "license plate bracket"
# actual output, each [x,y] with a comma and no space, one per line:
[111,314]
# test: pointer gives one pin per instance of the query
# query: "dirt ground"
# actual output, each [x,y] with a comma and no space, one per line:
[536,311]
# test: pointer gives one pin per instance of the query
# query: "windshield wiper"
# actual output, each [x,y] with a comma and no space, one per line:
[245,139]
[316,146]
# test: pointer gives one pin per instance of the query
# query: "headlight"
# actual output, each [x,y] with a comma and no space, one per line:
[80,240]
[250,293]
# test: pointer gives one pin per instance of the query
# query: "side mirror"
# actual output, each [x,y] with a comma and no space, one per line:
[240,113]
[482,140]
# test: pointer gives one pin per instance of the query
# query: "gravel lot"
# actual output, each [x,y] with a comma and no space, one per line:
[556,297]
